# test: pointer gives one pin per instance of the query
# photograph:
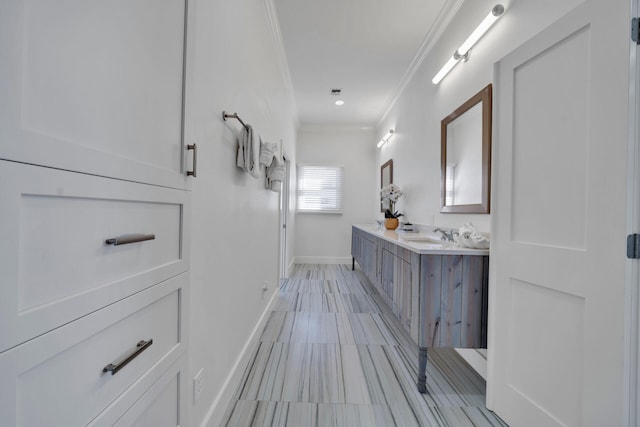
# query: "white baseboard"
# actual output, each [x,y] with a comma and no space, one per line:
[223,399]
[321,260]
[291,264]
[476,359]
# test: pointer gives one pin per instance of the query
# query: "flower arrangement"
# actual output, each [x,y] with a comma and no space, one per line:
[390,194]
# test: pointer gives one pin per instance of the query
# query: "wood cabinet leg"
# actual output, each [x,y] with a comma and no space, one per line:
[422,371]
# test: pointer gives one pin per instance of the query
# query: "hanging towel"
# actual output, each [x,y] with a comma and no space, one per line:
[249,151]
[276,186]
[242,158]
[267,152]
[275,173]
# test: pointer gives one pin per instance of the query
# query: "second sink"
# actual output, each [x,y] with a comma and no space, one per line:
[422,239]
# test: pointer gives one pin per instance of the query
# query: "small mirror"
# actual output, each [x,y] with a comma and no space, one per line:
[466,156]
[386,178]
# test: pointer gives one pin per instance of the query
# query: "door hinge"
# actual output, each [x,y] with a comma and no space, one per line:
[635,30]
[633,246]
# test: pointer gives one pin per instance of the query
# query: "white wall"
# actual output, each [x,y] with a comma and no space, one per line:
[232,65]
[416,115]
[326,238]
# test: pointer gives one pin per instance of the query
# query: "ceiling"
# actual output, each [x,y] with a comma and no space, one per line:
[367,48]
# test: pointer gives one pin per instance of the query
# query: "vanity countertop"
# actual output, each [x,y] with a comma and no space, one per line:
[424,243]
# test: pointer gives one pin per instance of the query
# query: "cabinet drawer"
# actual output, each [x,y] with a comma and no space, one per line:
[55,262]
[58,379]
[164,404]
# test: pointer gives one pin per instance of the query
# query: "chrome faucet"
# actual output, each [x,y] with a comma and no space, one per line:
[446,234]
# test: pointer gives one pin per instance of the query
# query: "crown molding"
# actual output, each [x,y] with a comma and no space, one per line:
[443,20]
[319,127]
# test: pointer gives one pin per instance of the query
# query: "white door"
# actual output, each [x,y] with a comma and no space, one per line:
[284,219]
[556,346]
[632,297]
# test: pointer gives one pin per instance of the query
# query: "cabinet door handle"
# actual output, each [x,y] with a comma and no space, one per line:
[193,147]
[115,367]
[129,238]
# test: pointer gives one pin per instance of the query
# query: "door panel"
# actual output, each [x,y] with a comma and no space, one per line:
[550,145]
[557,286]
[550,355]
[94,87]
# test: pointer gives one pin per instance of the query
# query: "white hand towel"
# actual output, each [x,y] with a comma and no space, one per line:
[249,151]
[276,171]
[254,164]
[243,154]
[276,186]
[267,151]
[470,237]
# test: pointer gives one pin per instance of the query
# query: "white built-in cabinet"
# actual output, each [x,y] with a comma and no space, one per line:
[94,213]
[95,87]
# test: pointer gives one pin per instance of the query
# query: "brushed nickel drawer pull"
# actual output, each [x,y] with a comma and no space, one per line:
[193,147]
[129,238]
[115,367]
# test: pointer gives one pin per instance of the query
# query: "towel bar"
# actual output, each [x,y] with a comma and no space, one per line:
[226,116]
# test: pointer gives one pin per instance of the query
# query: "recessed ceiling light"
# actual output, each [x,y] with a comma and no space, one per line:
[339,102]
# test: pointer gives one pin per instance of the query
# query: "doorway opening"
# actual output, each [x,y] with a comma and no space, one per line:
[284,218]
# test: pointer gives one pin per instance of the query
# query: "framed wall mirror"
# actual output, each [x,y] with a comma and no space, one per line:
[386,178]
[465,171]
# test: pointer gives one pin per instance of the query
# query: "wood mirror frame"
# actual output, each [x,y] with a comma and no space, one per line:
[484,97]
[388,167]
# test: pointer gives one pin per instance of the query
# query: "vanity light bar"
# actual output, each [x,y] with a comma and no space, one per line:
[465,47]
[386,138]
[445,69]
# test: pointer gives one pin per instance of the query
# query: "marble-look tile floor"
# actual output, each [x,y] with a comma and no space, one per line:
[331,354]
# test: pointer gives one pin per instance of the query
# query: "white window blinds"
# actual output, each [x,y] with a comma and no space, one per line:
[450,183]
[320,189]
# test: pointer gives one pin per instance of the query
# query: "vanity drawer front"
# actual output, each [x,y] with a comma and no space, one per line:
[56,264]
[59,377]
[162,405]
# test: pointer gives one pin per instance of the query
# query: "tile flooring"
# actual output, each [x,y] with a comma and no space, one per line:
[332,355]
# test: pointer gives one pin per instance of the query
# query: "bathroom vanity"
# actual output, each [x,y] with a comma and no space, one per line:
[436,290]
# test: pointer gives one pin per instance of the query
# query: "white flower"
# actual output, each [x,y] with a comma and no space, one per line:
[390,194]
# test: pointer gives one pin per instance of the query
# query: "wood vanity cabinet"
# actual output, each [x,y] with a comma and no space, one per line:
[399,277]
[439,299]
[453,301]
[364,249]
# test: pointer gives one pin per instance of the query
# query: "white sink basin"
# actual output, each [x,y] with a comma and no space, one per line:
[422,239]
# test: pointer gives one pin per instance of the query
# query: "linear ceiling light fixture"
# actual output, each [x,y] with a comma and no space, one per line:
[386,138]
[463,51]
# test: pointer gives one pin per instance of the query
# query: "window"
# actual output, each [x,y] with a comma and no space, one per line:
[320,189]
[450,184]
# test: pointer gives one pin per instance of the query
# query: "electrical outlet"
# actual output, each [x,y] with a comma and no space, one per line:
[198,384]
